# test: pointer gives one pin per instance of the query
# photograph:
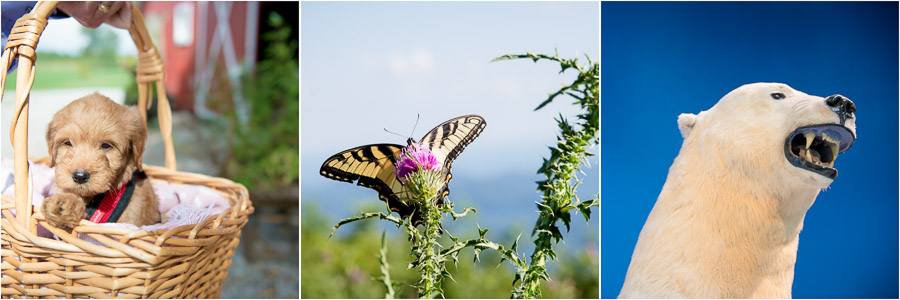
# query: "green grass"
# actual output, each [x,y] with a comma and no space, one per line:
[347,266]
[55,72]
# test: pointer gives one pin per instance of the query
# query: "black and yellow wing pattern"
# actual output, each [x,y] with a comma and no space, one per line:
[372,166]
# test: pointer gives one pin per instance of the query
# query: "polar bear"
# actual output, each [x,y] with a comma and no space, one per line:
[727,221]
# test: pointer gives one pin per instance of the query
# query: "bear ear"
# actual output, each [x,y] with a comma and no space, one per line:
[686,124]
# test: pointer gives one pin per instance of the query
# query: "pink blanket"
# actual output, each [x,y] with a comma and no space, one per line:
[183,204]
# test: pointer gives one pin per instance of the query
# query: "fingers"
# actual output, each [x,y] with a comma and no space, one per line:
[119,15]
[86,13]
[92,14]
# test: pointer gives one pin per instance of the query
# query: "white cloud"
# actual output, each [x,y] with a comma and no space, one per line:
[415,62]
[423,60]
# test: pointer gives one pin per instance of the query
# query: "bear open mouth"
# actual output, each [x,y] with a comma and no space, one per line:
[815,147]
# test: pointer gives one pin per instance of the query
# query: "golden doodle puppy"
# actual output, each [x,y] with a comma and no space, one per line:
[96,146]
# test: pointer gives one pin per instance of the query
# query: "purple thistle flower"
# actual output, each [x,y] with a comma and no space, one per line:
[414,158]
[420,173]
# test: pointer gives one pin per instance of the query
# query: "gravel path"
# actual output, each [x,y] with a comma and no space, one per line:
[265,275]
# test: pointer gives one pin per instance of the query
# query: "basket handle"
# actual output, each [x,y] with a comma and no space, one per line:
[22,42]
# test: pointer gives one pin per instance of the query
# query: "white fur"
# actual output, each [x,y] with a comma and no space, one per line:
[727,221]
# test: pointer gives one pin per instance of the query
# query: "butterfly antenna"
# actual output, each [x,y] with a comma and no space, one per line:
[414,126]
[393,132]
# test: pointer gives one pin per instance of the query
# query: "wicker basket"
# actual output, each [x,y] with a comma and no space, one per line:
[191,261]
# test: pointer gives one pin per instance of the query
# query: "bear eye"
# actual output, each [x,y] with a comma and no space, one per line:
[67,143]
[105,146]
[777,96]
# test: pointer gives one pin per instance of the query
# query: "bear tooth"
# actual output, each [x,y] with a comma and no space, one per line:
[809,138]
[828,138]
[834,150]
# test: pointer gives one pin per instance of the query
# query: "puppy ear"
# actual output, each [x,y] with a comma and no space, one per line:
[686,124]
[138,138]
[51,144]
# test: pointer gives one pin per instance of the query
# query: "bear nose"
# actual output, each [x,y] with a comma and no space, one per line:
[841,106]
[81,177]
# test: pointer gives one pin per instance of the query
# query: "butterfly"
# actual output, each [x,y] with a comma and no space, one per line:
[372,166]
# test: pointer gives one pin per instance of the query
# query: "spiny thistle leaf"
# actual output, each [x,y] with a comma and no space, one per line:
[560,168]
[556,233]
[364,216]
[515,245]
[566,218]
[452,238]
[482,232]
[446,274]
[462,214]
[477,251]
[585,207]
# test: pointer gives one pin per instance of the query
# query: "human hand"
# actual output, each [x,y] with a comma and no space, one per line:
[93,13]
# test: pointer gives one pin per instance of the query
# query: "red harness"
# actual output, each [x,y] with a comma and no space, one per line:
[109,202]
[108,207]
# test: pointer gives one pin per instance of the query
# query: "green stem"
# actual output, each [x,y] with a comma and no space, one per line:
[385,270]
[430,269]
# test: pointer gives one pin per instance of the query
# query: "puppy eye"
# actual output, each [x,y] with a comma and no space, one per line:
[777,96]
[105,146]
[67,143]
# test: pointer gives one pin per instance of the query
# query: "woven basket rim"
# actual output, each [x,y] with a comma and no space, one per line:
[158,173]
[236,194]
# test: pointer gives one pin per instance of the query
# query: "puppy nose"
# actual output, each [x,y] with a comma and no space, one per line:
[81,177]
[842,106]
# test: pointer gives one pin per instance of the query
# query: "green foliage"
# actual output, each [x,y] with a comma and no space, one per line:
[265,148]
[346,265]
[101,49]
[566,158]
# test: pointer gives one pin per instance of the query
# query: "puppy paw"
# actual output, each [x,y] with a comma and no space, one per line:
[64,210]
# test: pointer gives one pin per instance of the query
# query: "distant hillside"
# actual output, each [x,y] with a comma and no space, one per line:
[506,204]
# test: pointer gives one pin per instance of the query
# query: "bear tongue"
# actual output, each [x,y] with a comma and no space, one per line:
[813,156]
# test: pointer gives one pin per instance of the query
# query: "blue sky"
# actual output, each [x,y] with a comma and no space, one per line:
[366,66]
[663,59]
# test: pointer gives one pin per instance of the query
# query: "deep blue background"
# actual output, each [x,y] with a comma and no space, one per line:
[663,59]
